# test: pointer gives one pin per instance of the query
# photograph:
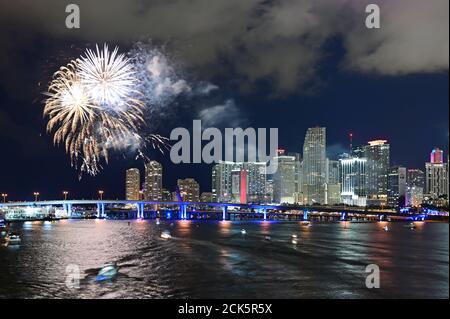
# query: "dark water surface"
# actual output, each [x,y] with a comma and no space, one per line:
[215,260]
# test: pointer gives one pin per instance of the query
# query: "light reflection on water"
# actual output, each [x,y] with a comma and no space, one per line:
[214,259]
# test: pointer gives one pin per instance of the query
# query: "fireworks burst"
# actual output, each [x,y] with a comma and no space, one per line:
[93,108]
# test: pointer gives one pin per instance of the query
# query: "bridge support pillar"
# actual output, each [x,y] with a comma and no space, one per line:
[183,211]
[101,210]
[305,215]
[140,210]
[343,216]
[381,217]
[224,212]
[68,209]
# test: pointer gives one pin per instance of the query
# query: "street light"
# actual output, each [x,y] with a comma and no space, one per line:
[65,193]
[4,197]
[100,192]
[36,196]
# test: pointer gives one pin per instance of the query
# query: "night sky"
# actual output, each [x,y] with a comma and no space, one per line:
[286,64]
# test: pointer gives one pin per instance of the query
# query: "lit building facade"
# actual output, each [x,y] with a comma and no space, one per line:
[189,189]
[153,181]
[415,178]
[377,154]
[284,180]
[239,182]
[353,181]
[436,183]
[132,184]
[413,196]
[397,186]
[314,165]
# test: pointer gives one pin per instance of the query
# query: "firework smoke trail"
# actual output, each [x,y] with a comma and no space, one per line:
[93,108]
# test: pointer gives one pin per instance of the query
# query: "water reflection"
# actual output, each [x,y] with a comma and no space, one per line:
[213,259]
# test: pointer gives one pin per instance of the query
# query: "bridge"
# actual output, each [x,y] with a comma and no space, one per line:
[261,211]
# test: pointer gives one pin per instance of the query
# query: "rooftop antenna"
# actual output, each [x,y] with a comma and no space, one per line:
[350,136]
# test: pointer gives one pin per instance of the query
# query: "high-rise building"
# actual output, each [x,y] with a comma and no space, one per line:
[437,156]
[239,182]
[284,180]
[166,195]
[378,163]
[189,190]
[298,177]
[396,186]
[333,184]
[153,181]
[415,178]
[132,184]
[436,175]
[314,165]
[353,181]
[207,197]
[413,196]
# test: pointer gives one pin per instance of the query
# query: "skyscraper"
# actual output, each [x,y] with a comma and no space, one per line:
[333,184]
[239,182]
[436,174]
[189,190]
[298,177]
[437,156]
[314,165]
[378,163]
[353,181]
[415,178]
[153,181]
[132,184]
[396,186]
[284,180]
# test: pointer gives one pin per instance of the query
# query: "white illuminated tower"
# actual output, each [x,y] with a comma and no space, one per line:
[314,166]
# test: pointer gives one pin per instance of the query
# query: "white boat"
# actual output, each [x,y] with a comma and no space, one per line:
[107,272]
[166,235]
[243,231]
[13,239]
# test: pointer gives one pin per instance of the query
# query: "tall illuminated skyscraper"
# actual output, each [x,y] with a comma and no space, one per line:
[189,189]
[397,186]
[353,181]
[284,180]
[436,175]
[378,163]
[314,165]
[153,181]
[132,184]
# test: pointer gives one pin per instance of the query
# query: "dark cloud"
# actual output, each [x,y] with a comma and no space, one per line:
[277,41]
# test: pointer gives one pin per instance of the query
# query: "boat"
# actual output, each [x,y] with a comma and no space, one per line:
[107,272]
[243,231]
[385,228]
[12,239]
[166,235]
[294,236]
[305,223]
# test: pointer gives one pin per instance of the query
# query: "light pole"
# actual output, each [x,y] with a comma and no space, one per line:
[36,196]
[4,197]
[65,193]
[100,193]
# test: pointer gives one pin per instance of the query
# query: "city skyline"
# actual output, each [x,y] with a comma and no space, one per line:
[205,188]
